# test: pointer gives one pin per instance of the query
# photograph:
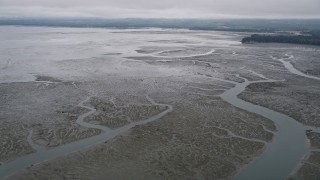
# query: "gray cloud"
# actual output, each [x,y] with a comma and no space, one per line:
[163,8]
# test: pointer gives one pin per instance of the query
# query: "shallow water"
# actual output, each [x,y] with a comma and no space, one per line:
[289,144]
[36,147]
[41,156]
[293,70]
[285,151]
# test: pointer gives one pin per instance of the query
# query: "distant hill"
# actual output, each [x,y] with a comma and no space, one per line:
[294,39]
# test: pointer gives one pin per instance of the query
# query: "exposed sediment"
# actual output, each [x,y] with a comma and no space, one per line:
[163,114]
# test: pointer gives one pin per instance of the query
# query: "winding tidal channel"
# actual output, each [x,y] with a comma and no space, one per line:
[285,151]
[107,134]
[289,144]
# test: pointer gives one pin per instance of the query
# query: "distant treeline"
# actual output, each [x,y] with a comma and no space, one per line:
[294,39]
[239,25]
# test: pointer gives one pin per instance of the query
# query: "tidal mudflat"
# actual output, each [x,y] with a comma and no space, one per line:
[151,104]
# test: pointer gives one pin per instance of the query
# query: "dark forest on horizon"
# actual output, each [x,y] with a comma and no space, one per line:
[312,39]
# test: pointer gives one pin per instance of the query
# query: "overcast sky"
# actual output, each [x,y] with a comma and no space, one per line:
[163,8]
